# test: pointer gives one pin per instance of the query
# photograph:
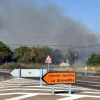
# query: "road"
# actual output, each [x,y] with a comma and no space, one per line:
[90,82]
[31,90]
[5,73]
[83,81]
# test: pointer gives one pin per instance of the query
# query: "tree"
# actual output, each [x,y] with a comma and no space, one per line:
[94,59]
[57,57]
[5,53]
[36,54]
[71,56]
[22,54]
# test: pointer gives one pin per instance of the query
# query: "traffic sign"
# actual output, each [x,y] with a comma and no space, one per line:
[14,73]
[48,59]
[85,68]
[61,77]
[28,72]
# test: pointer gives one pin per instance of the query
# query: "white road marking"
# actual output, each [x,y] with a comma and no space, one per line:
[93,92]
[24,96]
[13,83]
[73,96]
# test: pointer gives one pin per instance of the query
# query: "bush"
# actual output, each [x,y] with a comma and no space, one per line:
[97,70]
[11,66]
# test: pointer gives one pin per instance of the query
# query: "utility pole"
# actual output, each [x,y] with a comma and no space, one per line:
[6,64]
[75,59]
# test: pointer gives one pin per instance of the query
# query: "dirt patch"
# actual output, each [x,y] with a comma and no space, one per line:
[88,98]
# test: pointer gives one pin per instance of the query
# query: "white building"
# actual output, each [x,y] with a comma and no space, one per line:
[65,64]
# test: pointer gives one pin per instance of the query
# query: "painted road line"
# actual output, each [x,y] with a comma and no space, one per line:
[15,81]
[93,92]
[28,84]
[26,95]
[74,96]
[70,96]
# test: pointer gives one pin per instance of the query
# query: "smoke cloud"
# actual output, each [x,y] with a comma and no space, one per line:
[31,24]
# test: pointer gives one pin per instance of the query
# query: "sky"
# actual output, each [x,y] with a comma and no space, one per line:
[86,11]
[63,24]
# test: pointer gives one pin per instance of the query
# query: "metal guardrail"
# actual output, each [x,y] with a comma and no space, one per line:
[87,74]
[81,73]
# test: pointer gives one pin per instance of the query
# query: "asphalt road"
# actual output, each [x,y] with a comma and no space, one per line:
[90,82]
[31,90]
[5,75]
[83,81]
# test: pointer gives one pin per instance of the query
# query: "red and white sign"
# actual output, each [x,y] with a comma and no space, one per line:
[48,59]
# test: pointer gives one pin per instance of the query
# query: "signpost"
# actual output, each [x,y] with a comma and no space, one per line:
[63,77]
[28,73]
[18,76]
[15,73]
[48,60]
[85,68]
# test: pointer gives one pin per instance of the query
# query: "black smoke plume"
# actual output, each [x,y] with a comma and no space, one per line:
[31,24]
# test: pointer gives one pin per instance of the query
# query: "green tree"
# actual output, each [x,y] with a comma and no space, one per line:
[5,53]
[94,59]
[22,54]
[36,54]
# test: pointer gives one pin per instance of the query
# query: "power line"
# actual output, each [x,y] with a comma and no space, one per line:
[55,33]
[86,46]
[73,46]
[36,45]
